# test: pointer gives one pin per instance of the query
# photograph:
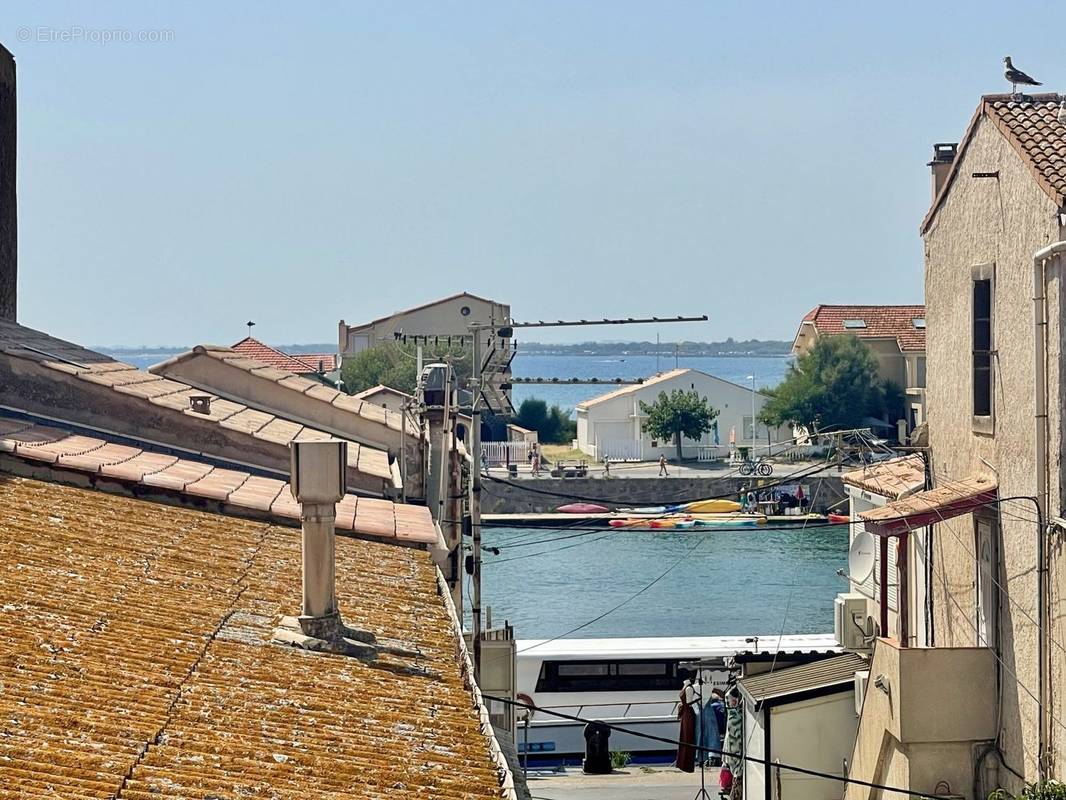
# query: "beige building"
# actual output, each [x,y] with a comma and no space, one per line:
[449,316]
[444,322]
[895,334]
[985,705]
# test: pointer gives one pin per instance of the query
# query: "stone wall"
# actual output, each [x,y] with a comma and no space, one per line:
[543,494]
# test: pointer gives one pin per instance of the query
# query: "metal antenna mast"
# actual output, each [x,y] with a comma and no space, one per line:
[506,330]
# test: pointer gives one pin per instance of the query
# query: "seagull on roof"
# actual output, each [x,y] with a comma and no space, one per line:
[1016,76]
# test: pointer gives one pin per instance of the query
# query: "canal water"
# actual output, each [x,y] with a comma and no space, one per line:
[759,581]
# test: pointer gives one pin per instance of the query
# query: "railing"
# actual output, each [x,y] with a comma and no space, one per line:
[504,452]
[620,450]
[578,709]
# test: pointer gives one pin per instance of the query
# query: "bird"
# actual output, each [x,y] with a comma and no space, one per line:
[1016,76]
[1062,112]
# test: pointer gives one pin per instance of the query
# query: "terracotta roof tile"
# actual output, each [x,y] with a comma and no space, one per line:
[893,479]
[137,655]
[156,390]
[880,322]
[296,383]
[237,488]
[265,354]
[1032,127]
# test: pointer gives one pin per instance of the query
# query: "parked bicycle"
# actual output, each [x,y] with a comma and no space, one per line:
[760,466]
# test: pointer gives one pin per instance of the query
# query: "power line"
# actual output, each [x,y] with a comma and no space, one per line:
[804,473]
[633,596]
[677,743]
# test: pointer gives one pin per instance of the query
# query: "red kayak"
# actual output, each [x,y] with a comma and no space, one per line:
[837,519]
[581,508]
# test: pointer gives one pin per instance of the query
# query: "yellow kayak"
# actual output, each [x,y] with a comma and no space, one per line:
[712,507]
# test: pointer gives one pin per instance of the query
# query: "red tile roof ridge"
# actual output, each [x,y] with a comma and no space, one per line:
[1042,148]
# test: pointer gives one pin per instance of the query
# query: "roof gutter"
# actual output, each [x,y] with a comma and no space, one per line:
[1040,419]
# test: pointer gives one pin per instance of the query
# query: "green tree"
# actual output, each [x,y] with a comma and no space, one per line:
[678,414]
[553,425]
[834,384]
[396,366]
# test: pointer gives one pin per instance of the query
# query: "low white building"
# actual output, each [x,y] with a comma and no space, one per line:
[609,426]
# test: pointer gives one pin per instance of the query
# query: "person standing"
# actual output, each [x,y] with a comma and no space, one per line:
[688,713]
[662,467]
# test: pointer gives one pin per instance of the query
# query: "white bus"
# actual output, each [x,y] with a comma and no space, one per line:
[634,683]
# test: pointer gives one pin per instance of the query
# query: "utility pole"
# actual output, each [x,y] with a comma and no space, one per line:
[506,330]
[475,501]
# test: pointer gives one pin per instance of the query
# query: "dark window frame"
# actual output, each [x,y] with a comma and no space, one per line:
[983,348]
[549,679]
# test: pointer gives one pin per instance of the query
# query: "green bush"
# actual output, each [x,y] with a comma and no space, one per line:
[620,759]
[1048,790]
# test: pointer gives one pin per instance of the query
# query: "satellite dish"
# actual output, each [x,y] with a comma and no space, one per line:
[861,557]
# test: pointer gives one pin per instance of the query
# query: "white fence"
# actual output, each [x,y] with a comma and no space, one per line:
[620,450]
[504,452]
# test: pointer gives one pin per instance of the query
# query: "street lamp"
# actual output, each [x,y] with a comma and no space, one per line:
[752,379]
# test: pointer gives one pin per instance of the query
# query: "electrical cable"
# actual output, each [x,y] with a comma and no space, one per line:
[803,473]
[633,596]
[677,743]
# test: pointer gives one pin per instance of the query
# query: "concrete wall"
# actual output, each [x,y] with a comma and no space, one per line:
[817,734]
[524,496]
[1001,222]
[923,729]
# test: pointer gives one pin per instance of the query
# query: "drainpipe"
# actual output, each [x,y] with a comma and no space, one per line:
[1040,419]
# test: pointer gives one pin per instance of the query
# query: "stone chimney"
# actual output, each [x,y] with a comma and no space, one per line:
[8,212]
[943,157]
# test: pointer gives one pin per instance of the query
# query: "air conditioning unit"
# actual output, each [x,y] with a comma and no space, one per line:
[862,677]
[849,614]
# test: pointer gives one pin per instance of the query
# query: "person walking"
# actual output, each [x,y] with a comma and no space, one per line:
[662,467]
[606,467]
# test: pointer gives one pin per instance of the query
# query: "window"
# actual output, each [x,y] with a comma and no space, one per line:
[608,676]
[982,347]
[920,377]
[918,322]
[854,323]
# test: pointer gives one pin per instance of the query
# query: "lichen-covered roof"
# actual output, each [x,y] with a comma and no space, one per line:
[893,479]
[157,471]
[135,662]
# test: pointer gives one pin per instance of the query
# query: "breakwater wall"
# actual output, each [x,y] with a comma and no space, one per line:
[541,495]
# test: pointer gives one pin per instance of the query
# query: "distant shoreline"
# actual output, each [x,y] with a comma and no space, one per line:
[728,349]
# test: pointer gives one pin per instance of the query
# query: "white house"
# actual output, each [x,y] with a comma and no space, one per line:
[609,426]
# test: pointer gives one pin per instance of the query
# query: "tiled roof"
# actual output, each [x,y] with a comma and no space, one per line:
[137,662]
[948,500]
[374,391]
[825,673]
[271,356]
[158,395]
[240,490]
[1033,129]
[305,386]
[881,322]
[653,381]
[892,479]
[327,361]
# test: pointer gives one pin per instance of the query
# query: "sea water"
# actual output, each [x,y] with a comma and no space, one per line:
[716,583]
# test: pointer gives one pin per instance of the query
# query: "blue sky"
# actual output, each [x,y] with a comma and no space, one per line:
[300,164]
